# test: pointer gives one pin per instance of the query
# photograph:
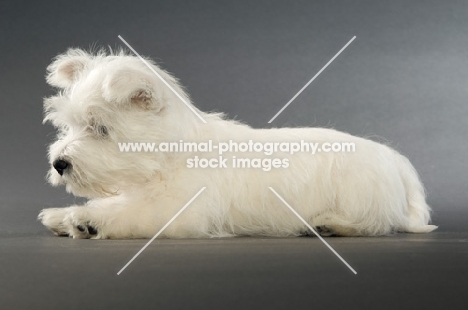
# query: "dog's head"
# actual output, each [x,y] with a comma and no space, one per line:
[103,100]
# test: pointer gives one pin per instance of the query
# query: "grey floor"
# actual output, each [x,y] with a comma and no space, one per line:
[404,271]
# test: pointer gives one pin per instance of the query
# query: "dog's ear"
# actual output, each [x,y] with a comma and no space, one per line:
[65,68]
[131,87]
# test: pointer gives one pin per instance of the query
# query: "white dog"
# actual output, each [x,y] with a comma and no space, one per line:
[109,99]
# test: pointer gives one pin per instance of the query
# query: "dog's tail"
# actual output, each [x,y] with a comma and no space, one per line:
[419,212]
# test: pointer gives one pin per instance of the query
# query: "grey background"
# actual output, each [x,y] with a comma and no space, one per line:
[403,81]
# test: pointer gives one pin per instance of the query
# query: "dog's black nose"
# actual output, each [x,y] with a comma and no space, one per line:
[60,165]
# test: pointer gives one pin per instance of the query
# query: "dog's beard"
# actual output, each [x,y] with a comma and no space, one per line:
[78,183]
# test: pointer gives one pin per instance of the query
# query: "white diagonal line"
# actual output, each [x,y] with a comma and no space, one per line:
[305,86]
[163,80]
[159,232]
[318,235]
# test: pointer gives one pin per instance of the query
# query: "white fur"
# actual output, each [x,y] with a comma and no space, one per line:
[373,191]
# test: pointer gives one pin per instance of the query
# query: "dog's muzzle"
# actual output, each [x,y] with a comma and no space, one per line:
[60,165]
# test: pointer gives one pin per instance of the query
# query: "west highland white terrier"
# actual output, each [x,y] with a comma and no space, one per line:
[105,101]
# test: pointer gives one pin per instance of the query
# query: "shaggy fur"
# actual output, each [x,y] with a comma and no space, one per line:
[106,99]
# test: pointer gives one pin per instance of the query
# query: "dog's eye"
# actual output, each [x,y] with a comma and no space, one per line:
[97,130]
[102,131]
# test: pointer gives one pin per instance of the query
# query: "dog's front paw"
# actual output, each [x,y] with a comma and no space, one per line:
[81,226]
[54,220]
[76,222]
[325,231]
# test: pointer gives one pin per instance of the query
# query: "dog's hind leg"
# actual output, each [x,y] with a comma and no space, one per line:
[419,213]
[331,224]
